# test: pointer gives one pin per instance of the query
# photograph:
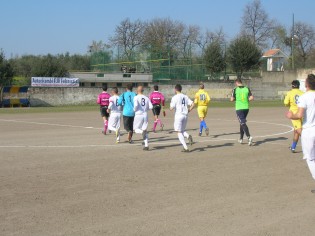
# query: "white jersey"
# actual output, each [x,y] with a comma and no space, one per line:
[307,101]
[181,102]
[141,104]
[113,104]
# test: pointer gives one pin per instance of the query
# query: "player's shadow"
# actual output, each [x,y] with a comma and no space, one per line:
[203,149]
[161,139]
[225,134]
[269,140]
[160,147]
[171,131]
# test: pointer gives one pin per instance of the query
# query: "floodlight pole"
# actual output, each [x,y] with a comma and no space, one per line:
[169,56]
[292,44]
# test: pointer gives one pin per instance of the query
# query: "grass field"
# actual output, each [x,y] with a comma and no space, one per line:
[60,176]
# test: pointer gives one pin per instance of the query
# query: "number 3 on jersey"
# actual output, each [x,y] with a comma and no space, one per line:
[143,102]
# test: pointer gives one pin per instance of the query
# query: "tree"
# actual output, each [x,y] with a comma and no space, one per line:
[129,35]
[243,55]
[278,37]
[214,57]
[163,36]
[304,38]
[203,40]
[189,39]
[96,46]
[256,23]
[6,70]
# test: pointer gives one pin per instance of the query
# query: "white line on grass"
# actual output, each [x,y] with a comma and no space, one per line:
[127,144]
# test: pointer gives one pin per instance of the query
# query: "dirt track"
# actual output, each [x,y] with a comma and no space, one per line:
[60,176]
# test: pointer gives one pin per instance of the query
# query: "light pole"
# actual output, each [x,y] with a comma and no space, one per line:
[292,44]
[169,56]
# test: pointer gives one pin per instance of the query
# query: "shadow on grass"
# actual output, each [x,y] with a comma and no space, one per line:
[203,149]
[225,134]
[268,140]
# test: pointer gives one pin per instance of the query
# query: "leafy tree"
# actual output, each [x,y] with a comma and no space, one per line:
[6,70]
[214,58]
[243,55]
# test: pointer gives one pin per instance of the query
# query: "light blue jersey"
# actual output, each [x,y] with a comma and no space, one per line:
[126,100]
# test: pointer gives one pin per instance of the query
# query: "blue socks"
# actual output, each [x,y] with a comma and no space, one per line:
[294,145]
[202,125]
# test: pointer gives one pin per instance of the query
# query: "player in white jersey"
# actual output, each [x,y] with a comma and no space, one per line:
[115,113]
[182,106]
[142,105]
[307,112]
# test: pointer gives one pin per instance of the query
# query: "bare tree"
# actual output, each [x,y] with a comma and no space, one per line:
[129,35]
[278,37]
[163,35]
[190,35]
[304,37]
[204,40]
[96,46]
[256,23]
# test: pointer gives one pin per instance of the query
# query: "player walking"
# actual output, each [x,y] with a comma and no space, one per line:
[202,99]
[306,111]
[115,112]
[292,100]
[180,103]
[103,101]
[157,99]
[242,96]
[126,100]
[142,105]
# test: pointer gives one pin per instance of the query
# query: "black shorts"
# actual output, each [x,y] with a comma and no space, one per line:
[242,115]
[103,110]
[156,109]
[128,123]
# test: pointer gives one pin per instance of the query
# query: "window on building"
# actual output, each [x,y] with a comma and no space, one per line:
[126,75]
[145,84]
[119,85]
[82,84]
[134,85]
[92,84]
[100,75]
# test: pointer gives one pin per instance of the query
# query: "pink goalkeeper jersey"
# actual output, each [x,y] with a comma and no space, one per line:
[103,99]
[157,98]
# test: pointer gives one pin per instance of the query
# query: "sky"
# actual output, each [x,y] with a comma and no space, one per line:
[57,26]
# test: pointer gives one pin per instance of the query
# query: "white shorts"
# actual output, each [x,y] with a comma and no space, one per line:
[308,143]
[180,123]
[140,122]
[114,121]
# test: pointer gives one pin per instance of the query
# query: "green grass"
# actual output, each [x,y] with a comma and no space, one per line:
[82,108]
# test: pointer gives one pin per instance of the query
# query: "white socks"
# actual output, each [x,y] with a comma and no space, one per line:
[186,135]
[182,140]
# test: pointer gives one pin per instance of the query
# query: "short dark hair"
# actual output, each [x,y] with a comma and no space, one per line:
[295,84]
[178,87]
[156,87]
[104,87]
[238,80]
[115,89]
[201,86]
[129,87]
[310,81]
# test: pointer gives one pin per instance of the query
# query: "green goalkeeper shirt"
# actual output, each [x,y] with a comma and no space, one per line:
[241,95]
